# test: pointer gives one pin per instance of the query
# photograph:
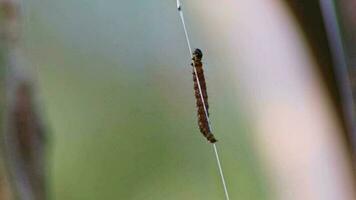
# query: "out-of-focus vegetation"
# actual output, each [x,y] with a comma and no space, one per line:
[116,86]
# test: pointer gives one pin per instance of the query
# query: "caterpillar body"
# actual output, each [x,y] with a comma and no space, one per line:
[202,117]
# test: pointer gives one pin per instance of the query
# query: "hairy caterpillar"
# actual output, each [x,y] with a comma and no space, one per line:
[202,117]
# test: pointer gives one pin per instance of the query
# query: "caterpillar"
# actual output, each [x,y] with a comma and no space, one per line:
[199,76]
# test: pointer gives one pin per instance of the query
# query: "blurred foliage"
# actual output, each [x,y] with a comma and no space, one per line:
[117,89]
[3,182]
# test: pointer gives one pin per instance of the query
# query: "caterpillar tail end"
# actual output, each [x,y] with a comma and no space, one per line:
[210,137]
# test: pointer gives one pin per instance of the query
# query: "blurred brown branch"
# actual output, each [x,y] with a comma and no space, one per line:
[23,131]
[309,15]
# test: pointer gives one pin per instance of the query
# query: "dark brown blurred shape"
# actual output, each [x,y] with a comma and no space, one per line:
[308,14]
[23,142]
[347,16]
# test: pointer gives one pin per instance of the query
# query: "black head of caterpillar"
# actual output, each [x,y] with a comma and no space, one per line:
[197,54]
[202,116]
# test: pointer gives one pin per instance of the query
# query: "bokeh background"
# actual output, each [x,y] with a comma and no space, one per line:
[116,80]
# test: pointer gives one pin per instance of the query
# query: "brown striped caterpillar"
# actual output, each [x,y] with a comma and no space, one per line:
[202,116]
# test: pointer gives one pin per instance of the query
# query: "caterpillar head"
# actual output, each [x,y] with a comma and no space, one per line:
[197,54]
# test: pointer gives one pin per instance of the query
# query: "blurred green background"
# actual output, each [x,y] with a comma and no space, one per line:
[117,89]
